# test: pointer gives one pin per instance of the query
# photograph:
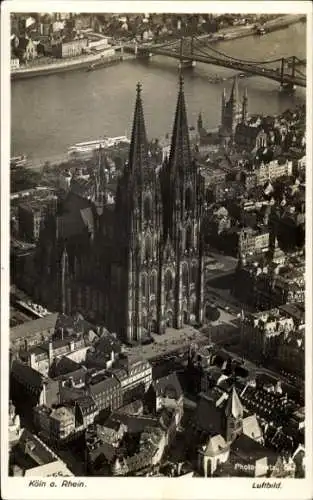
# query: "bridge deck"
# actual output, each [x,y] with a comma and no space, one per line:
[226,63]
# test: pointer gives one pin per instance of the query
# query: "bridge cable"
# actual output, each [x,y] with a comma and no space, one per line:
[300,73]
[251,62]
[166,44]
[213,58]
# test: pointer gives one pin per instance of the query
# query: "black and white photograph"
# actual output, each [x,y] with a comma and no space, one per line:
[158,246]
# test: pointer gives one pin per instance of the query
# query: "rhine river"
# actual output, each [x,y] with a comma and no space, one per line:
[51,113]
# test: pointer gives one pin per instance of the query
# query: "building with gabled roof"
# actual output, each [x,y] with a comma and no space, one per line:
[32,457]
[215,451]
[165,392]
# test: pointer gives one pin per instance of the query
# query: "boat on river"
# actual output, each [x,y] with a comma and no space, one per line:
[87,148]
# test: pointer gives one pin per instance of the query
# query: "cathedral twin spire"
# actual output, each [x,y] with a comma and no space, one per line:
[138,154]
[180,155]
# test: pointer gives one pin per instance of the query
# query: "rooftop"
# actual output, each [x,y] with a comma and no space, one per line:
[33,446]
[98,386]
[34,327]
[250,450]
[62,412]
[168,386]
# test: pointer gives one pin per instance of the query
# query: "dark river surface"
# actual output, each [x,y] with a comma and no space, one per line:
[51,113]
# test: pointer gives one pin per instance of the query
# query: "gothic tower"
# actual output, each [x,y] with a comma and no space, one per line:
[200,123]
[244,110]
[100,194]
[139,232]
[231,113]
[65,290]
[233,416]
[182,257]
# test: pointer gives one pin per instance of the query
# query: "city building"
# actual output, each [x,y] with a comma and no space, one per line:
[26,49]
[71,48]
[33,332]
[252,241]
[132,372]
[106,391]
[261,332]
[266,284]
[42,356]
[273,170]
[54,425]
[226,434]
[165,392]
[291,353]
[250,136]
[14,426]
[65,422]
[31,387]
[32,457]
[15,63]
[145,250]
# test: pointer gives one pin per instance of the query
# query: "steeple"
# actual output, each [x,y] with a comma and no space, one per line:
[200,122]
[233,416]
[223,106]
[180,157]
[138,153]
[64,280]
[234,94]
[233,406]
[244,112]
[100,184]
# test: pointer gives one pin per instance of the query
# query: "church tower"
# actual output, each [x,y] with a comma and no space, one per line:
[200,123]
[65,289]
[100,194]
[183,197]
[244,111]
[138,236]
[233,416]
[231,113]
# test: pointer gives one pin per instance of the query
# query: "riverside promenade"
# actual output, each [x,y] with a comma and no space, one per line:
[276,24]
[79,62]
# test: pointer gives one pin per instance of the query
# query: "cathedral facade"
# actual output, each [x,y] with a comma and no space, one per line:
[136,265]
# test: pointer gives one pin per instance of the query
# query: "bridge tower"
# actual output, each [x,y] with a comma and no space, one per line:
[284,85]
[186,56]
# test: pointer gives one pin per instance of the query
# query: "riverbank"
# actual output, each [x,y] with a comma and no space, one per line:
[244,31]
[78,63]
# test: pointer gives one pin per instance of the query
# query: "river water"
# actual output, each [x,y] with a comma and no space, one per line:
[51,113]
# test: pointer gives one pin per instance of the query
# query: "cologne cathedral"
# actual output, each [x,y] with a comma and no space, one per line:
[135,265]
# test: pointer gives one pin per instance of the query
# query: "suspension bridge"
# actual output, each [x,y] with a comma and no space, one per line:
[288,71]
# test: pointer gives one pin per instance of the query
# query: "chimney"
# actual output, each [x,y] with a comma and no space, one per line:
[44,394]
[32,360]
[50,352]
